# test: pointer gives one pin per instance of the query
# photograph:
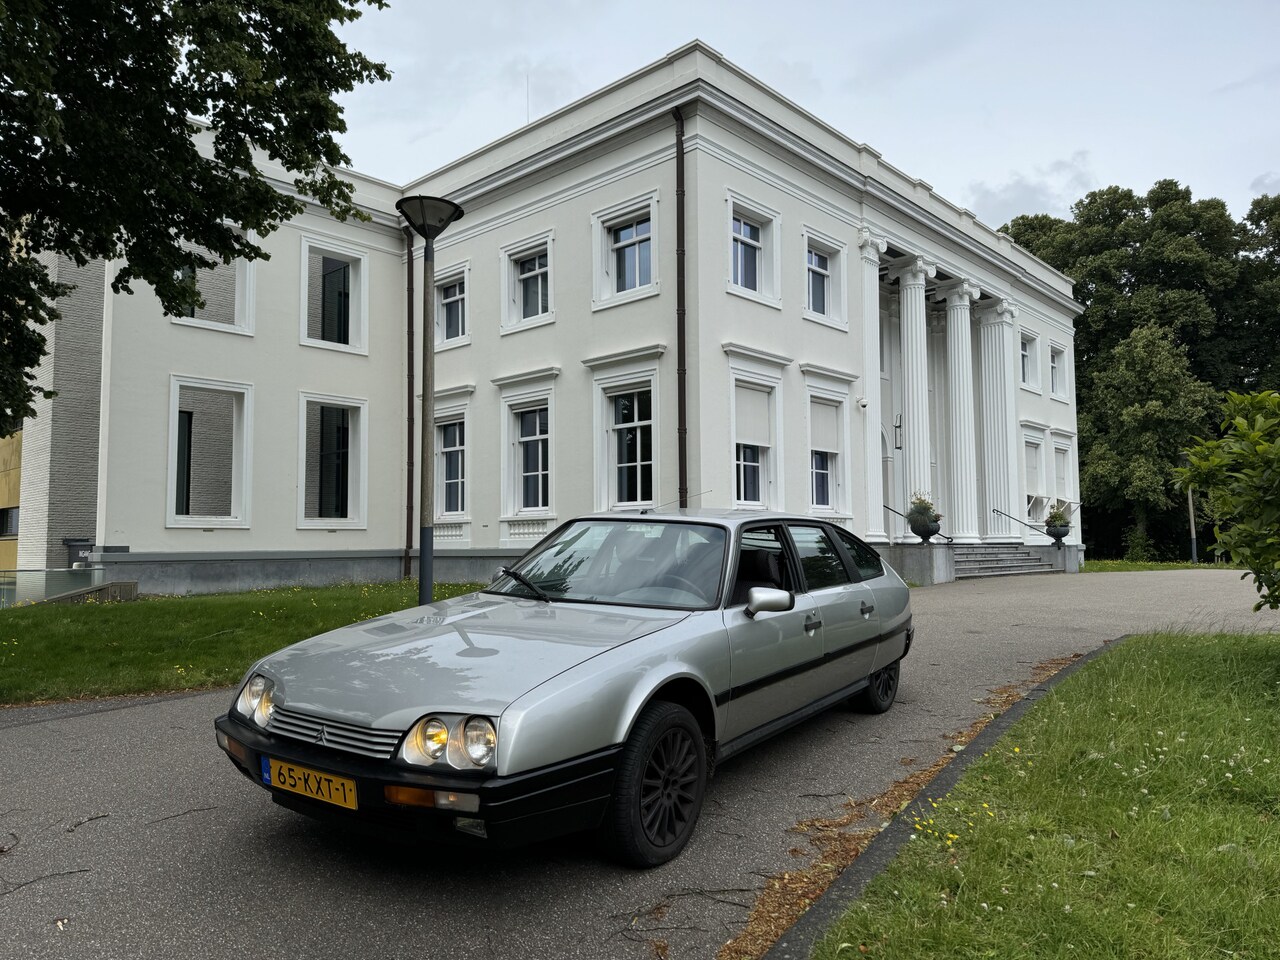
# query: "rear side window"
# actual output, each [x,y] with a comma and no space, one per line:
[864,558]
[819,558]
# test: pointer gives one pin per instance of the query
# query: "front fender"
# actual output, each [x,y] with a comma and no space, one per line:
[594,705]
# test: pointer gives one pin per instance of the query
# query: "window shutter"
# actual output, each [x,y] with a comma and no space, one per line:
[752,416]
[824,420]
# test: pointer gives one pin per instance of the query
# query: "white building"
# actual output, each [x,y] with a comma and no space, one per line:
[849,336]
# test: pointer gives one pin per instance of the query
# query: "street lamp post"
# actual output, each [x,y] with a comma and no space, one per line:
[428,216]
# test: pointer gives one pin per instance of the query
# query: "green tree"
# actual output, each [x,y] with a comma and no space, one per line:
[1240,471]
[1146,406]
[1158,262]
[99,156]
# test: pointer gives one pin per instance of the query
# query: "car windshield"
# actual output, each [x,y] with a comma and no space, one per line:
[647,563]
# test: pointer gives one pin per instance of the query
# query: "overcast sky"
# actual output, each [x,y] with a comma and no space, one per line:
[1004,107]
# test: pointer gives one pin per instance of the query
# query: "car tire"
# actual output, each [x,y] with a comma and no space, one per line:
[881,691]
[659,787]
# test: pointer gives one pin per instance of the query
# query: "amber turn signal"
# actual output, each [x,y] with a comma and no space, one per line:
[409,796]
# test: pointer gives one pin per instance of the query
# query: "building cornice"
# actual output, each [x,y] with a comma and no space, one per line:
[817,370]
[742,352]
[651,352]
[529,376]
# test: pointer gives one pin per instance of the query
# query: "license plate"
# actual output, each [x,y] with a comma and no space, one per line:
[310,783]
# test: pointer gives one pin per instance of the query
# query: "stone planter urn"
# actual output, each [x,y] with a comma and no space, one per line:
[1057,532]
[923,527]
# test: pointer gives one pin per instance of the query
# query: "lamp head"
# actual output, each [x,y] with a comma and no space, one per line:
[428,216]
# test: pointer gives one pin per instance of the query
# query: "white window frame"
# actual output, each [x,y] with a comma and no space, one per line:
[520,394]
[446,415]
[836,253]
[1062,389]
[770,266]
[242,459]
[358,477]
[833,387]
[1030,340]
[454,273]
[624,373]
[245,313]
[603,222]
[762,371]
[761,467]
[1039,503]
[510,255]
[358,325]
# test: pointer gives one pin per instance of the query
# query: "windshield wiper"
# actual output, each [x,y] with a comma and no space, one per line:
[525,581]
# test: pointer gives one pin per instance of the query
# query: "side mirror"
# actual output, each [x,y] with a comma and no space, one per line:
[769,600]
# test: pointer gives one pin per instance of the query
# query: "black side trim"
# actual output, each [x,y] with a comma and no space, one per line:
[733,693]
[767,730]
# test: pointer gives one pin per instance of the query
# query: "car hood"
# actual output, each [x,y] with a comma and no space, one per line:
[472,654]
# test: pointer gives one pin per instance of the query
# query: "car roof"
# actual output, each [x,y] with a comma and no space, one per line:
[727,518]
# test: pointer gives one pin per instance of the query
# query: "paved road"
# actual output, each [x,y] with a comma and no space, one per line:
[136,838]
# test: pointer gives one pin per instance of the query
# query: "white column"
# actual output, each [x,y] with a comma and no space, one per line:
[999,416]
[873,517]
[963,499]
[915,373]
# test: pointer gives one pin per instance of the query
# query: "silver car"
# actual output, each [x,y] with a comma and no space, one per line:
[593,685]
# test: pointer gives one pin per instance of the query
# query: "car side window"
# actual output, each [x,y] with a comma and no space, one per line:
[762,562]
[819,558]
[864,558]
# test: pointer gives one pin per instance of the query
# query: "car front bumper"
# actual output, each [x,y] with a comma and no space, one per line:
[522,808]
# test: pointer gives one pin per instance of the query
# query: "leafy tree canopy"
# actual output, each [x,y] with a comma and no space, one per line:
[1241,473]
[98,158]
[1181,300]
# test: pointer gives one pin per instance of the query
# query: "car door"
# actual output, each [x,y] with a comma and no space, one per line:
[868,567]
[772,653]
[850,620]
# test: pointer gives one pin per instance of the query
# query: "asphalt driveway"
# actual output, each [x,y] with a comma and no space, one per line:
[124,832]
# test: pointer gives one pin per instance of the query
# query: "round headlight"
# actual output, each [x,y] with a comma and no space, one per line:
[479,739]
[432,737]
[266,706]
[255,700]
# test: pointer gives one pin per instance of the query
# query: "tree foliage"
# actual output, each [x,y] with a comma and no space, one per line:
[1181,301]
[1240,471]
[100,157]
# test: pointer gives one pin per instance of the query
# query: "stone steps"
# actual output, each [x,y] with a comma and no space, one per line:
[996,560]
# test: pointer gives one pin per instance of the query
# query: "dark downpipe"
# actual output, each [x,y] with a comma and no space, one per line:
[682,410]
[409,426]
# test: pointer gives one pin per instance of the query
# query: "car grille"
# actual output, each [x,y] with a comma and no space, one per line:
[334,733]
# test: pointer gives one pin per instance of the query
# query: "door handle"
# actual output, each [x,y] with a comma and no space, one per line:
[868,608]
[813,623]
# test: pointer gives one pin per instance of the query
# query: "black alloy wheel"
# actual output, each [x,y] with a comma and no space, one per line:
[881,691]
[658,793]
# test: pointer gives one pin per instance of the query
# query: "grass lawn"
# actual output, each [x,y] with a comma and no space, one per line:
[157,644]
[1127,566]
[1133,813]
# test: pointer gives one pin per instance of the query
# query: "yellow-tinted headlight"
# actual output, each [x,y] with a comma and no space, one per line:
[432,738]
[256,700]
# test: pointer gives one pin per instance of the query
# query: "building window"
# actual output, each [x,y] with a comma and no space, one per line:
[1030,361]
[632,261]
[529,270]
[333,297]
[747,465]
[8,521]
[632,446]
[1058,372]
[624,246]
[332,467]
[535,285]
[453,309]
[753,432]
[819,282]
[746,254]
[820,469]
[182,499]
[209,453]
[184,275]
[754,267]
[824,442]
[534,433]
[453,467]
[227,291]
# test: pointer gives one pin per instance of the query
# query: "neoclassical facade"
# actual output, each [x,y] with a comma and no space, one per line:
[682,287]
